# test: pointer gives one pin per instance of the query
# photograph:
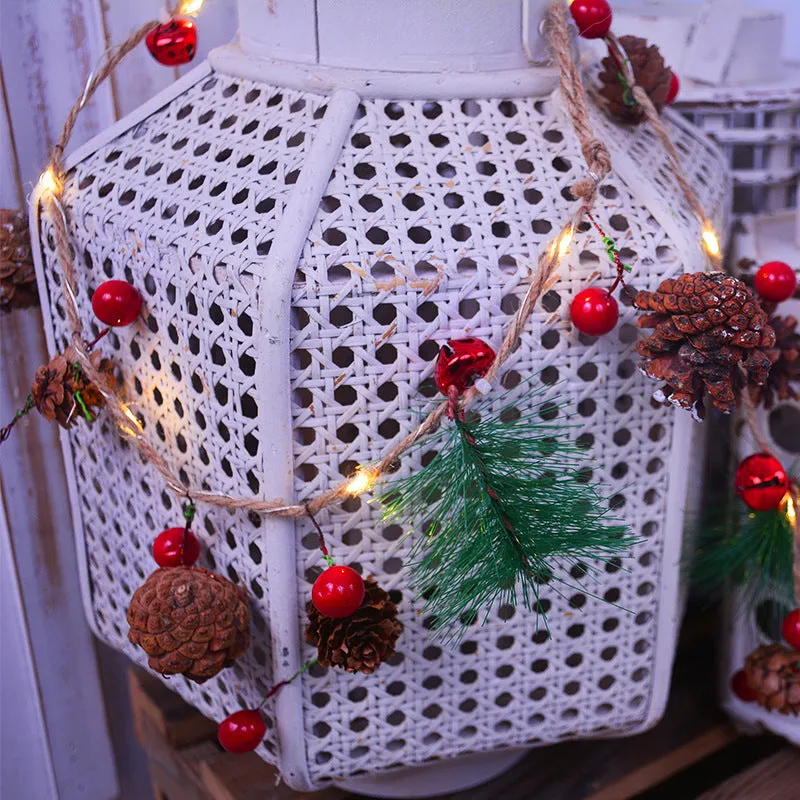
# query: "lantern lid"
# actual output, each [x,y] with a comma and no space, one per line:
[393,48]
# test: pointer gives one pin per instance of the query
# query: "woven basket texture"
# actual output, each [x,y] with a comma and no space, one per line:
[428,230]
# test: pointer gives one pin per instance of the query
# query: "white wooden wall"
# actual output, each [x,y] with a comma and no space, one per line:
[56,715]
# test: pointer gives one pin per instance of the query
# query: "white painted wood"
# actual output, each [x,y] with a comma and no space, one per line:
[23,735]
[395,35]
[525,82]
[140,76]
[48,50]
[34,490]
[275,418]
[216,25]
[281,29]
[420,36]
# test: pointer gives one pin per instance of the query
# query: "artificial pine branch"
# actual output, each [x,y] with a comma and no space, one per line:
[503,508]
[754,551]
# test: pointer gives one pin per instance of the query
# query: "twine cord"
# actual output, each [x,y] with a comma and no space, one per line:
[598,162]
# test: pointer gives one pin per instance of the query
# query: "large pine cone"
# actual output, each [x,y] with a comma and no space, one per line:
[62,392]
[650,71]
[190,622]
[360,642]
[710,335]
[773,673]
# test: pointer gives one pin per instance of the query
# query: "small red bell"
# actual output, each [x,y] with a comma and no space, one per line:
[761,481]
[461,362]
[173,43]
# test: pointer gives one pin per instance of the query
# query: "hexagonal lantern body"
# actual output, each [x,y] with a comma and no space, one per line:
[305,234]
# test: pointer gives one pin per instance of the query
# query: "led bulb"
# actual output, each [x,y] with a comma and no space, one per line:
[360,482]
[190,7]
[711,242]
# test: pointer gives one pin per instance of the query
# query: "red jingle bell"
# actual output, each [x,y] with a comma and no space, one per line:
[775,281]
[594,311]
[338,592]
[741,688]
[116,303]
[761,481]
[242,732]
[593,17]
[461,362]
[173,43]
[674,88]
[171,550]
[790,629]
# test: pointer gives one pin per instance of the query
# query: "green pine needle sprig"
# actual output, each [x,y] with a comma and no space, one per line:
[503,508]
[754,550]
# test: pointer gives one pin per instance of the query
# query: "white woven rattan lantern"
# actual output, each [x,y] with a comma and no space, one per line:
[305,233]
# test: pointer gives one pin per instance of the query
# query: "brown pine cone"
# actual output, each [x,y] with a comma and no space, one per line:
[17,275]
[710,335]
[190,622]
[360,642]
[60,386]
[773,673]
[783,381]
[650,71]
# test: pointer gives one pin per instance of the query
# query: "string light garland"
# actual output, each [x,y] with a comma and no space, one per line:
[50,189]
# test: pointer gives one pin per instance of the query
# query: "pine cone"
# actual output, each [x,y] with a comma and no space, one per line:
[710,335]
[650,71]
[17,275]
[360,642]
[60,387]
[784,375]
[189,621]
[773,673]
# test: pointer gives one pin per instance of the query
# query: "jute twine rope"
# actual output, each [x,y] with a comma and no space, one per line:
[598,162]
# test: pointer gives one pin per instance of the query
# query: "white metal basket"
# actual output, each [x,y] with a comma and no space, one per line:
[304,241]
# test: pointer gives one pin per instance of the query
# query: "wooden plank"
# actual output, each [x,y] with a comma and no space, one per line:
[35,492]
[25,742]
[774,778]
[178,778]
[654,772]
[48,50]
[155,705]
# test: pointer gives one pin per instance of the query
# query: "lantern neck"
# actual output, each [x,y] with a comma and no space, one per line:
[409,48]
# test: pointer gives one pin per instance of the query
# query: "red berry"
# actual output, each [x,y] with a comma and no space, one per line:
[594,311]
[242,732]
[674,88]
[173,43]
[338,592]
[116,303]
[791,629]
[170,550]
[461,362]
[775,281]
[761,481]
[741,688]
[593,18]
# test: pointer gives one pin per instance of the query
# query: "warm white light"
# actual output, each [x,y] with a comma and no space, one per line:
[361,482]
[190,7]
[791,514]
[49,183]
[711,242]
[565,241]
[134,431]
